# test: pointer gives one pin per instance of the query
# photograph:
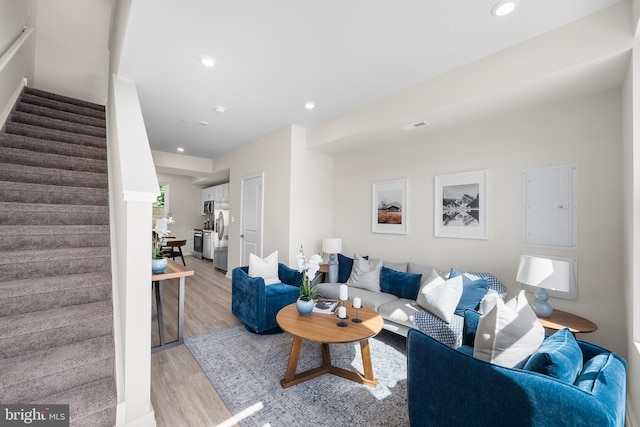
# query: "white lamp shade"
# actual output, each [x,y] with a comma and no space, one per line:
[544,273]
[332,245]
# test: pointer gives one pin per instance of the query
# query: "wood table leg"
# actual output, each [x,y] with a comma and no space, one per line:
[366,360]
[326,355]
[293,361]
[291,378]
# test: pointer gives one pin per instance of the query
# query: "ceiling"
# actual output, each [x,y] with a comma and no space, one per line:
[272,57]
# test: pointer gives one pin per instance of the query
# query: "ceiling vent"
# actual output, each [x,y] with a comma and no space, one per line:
[417,125]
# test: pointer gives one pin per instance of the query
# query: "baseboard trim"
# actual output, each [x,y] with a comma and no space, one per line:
[6,112]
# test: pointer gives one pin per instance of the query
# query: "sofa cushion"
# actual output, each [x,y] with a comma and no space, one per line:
[266,268]
[400,311]
[402,285]
[509,333]
[591,374]
[397,266]
[373,300]
[428,273]
[344,268]
[472,293]
[559,357]
[441,297]
[365,273]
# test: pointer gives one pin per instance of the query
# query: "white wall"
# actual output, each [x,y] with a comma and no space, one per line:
[72,48]
[631,191]
[311,193]
[271,155]
[133,188]
[184,201]
[585,131]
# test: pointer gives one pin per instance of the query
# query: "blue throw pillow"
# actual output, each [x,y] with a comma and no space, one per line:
[559,357]
[471,319]
[591,374]
[345,264]
[402,285]
[472,292]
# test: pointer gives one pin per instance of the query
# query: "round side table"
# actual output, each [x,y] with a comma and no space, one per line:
[561,319]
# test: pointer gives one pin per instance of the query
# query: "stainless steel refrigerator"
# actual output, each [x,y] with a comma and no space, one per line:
[221,234]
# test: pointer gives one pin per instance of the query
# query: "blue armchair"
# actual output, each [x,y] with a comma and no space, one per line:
[255,304]
[449,387]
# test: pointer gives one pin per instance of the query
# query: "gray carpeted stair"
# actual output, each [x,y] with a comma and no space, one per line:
[56,315]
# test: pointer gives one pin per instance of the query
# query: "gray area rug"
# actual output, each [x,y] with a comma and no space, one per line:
[246,369]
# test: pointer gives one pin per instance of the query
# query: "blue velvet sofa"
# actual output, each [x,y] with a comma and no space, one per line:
[255,304]
[449,387]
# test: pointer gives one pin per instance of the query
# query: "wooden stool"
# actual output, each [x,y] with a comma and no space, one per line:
[174,248]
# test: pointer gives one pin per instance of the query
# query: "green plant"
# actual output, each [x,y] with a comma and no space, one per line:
[308,290]
[160,231]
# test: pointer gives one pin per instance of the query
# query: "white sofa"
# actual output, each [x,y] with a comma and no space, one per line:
[400,314]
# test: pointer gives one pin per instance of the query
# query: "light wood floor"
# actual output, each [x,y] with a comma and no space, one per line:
[181,394]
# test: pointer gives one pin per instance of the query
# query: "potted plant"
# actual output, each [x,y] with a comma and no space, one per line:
[160,232]
[308,290]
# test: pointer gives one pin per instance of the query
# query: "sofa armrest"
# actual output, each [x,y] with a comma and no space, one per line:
[289,275]
[248,297]
[448,387]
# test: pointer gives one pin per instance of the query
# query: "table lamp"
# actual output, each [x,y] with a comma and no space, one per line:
[543,273]
[332,246]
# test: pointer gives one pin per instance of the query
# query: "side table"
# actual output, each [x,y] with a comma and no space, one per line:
[561,319]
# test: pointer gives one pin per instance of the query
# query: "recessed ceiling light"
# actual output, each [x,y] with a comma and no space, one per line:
[504,7]
[309,105]
[180,149]
[203,123]
[207,61]
[219,109]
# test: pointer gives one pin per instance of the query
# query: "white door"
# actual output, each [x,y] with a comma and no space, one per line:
[251,218]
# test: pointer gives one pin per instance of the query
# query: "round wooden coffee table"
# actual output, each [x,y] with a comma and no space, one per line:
[322,328]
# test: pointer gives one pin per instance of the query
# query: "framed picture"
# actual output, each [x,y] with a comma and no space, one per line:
[389,207]
[461,201]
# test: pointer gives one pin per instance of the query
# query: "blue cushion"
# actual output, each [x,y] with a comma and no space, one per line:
[402,285]
[345,264]
[471,319]
[591,374]
[472,292]
[559,357]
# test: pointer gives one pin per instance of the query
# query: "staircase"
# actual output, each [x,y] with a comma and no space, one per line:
[56,320]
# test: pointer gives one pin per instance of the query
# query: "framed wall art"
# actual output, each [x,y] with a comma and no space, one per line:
[461,205]
[389,207]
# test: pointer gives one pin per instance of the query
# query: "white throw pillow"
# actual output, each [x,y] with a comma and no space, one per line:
[509,333]
[266,268]
[365,273]
[441,297]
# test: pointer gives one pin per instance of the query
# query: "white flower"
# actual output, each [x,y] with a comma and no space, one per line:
[160,231]
[162,224]
[300,259]
[313,266]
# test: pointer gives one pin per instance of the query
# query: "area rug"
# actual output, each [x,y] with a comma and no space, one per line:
[246,369]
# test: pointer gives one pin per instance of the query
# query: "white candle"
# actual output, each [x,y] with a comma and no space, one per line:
[342,312]
[357,303]
[344,292]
